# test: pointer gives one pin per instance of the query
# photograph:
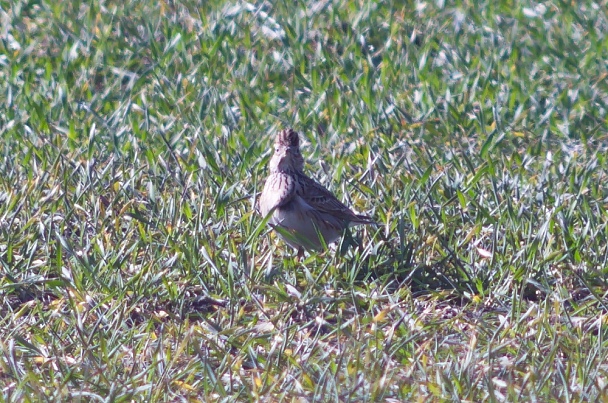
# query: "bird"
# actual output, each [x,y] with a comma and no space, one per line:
[303,212]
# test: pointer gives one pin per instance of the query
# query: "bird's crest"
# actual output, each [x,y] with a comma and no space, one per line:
[288,138]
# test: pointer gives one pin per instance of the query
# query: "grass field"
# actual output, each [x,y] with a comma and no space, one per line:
[135,137]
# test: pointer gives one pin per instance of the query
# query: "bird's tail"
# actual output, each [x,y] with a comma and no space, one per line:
[362,219]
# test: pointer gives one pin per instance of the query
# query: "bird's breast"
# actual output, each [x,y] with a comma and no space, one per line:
[277,190]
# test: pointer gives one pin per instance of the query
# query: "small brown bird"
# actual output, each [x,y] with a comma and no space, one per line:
[304,213]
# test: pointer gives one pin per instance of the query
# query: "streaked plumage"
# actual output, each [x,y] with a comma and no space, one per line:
[302,209]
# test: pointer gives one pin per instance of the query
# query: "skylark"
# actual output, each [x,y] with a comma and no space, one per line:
[304,213]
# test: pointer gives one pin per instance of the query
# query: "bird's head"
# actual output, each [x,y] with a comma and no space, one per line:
[287,157]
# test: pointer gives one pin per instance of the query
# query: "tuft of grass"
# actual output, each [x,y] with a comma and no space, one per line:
[135,138]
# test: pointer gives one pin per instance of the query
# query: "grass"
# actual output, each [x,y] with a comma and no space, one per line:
[135,137]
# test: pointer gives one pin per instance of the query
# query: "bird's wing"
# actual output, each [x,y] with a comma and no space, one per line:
[325,203]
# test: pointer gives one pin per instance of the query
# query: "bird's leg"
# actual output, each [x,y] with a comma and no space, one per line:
[300,254]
